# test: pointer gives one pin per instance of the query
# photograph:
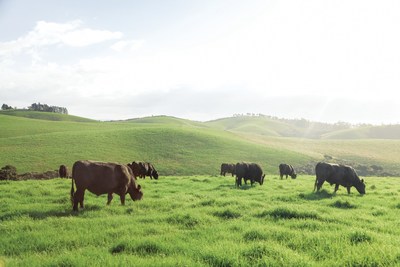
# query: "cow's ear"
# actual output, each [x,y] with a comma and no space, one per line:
[139,187]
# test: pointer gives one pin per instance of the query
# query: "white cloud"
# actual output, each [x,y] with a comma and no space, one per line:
[44,34]
[127,46]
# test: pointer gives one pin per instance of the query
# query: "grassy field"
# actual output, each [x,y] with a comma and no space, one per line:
[202,221]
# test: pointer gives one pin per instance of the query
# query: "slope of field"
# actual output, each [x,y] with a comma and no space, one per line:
[370,132]
[44,115]
[255,125]
[37,145]
[268,126]
[202,221]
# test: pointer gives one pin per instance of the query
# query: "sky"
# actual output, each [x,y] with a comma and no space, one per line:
[330,61]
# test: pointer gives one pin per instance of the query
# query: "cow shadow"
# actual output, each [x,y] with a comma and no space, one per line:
[245,187]
[323,194]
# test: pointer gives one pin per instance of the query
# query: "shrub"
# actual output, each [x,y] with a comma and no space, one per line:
[8,172]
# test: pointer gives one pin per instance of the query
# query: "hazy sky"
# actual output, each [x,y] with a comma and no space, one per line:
[328,60]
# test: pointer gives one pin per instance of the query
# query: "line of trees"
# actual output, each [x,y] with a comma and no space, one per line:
[40,107]
[47,108]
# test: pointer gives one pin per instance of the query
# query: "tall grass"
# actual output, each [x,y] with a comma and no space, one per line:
[202,221]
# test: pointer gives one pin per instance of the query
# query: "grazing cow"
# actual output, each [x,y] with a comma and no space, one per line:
[62,171]
[143,169]
[286,169]
[339,175]
[103,178]
[151,171]
[136,168]
[227,168]
[249,171]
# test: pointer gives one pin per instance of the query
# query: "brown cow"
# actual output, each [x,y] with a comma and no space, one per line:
[103,178]
[62,171]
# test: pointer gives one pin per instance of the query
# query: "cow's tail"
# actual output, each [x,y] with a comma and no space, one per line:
[72,187]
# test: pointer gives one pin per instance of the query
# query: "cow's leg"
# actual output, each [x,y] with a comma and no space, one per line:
[315,184]
[281,176]
[336,188]
[286,176]
[319,183]
[122,197]
[78,198]
[348,190]
[110,197]
[81,201]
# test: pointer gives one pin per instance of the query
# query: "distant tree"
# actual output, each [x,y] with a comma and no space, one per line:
[47,108]
[6,107]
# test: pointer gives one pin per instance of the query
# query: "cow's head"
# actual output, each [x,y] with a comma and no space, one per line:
[262,179]
[360,187]
[155,175]
[294,175]
[135,191]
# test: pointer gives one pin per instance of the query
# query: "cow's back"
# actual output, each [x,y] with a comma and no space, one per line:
[99,177]
[255,172]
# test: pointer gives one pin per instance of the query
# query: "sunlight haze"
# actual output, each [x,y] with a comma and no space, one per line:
[201,60]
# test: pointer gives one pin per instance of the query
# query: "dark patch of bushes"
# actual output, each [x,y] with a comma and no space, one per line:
[8,172]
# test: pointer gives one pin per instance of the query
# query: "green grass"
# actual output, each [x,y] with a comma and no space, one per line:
[202,221]
[44,115]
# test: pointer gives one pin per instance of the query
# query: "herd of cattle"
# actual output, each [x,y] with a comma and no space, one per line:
[108,178]
[336,174]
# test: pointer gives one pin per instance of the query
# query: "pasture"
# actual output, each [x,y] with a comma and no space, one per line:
[202,221]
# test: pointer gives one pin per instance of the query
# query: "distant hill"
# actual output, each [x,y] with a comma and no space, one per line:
[301,128]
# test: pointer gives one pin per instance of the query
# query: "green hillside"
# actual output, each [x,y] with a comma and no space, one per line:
[367,132]
[44,115]
[34,145]
[183,147]
[272,126]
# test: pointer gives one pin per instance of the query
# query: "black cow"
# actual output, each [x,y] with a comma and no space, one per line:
[228,168]
[249,171]
[339,175]
[286,169]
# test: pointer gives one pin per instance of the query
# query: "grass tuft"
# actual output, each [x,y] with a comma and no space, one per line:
[186,220]
[254,236]
[227,214]
[284,213]
[360,237]
[343,205]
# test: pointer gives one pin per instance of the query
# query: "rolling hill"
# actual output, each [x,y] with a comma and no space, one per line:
[36,141]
